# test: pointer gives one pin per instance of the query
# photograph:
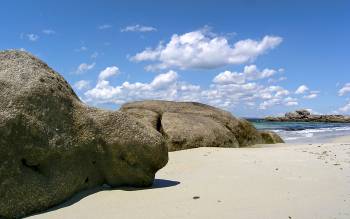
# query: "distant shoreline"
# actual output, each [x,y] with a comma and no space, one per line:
[306,116]
[299,132]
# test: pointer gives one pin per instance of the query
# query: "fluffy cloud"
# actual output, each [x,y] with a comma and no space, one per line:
[275,80]
[275,95]
[164,80]
[84,67]
[250,72]
[138,28]
[345,108]
[169,86]
[202,49]
[81,85]
[292,103]
[301,89]
[311,95]
[344,90]
[108,72]
[163,86]
[229,78]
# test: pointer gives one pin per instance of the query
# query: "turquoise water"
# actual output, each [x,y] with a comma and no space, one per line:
[304,131]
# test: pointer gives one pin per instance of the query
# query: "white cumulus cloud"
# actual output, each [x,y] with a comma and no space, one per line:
[108,72]
[344,90]
[202,49]
[164,80]
[301,89]
[169,86]
[84,67]
[275,80]
[311,95]
[163,86]
[345,109]
[292,103]
[250,73]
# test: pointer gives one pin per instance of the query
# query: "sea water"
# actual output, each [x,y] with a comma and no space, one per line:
[304,132]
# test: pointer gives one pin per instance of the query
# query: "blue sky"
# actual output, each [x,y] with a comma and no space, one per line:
[253,58]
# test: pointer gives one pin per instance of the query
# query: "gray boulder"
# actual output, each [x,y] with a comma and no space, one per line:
[189,125]
[52,145]
[306,116]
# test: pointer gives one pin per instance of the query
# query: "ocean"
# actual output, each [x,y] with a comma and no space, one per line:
[303,132]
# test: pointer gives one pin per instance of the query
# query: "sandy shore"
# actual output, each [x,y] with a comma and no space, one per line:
[280,181]
[344,139]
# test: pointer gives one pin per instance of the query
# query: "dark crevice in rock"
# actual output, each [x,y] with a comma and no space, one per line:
[234,134]
[159,123]
[86,180]
[32,167]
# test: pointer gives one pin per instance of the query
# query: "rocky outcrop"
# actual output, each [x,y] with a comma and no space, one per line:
[189,125]
[306,116]
[52,145]
[271,137]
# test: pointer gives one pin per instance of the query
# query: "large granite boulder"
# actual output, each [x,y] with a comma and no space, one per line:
[189,125]
[52,145]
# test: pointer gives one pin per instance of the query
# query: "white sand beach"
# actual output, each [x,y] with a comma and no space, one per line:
[277,181]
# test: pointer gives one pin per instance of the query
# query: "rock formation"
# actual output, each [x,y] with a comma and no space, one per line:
[52,145]
[189,125]
[306,116]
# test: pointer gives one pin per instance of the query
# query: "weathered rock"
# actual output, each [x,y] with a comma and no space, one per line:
[271,137]
[306,116]
[52,145]
[189,125]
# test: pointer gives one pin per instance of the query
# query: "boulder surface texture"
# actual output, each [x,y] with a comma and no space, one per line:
[189,125]
[52,145]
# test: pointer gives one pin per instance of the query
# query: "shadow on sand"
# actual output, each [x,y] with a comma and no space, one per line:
[157,184]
